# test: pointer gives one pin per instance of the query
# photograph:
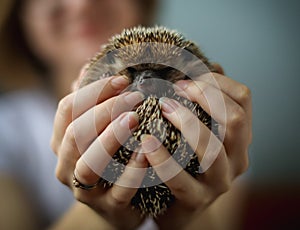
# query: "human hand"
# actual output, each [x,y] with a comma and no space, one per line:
[89,126]
[221,158]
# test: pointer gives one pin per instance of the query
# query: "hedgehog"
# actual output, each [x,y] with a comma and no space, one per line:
[153,59]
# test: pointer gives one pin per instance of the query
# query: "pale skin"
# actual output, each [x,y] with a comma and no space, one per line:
[193,195]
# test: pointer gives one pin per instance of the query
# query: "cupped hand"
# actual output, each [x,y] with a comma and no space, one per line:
[89,126]
[222,158]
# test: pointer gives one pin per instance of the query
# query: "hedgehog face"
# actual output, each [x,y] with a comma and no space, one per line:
[152,79]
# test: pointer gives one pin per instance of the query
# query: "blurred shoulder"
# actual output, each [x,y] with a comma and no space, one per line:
[23,111]
[25,102]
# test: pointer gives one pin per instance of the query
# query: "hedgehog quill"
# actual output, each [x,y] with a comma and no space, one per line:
[153,59]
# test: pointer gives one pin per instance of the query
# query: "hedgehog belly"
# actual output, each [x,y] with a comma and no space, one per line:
[154,200]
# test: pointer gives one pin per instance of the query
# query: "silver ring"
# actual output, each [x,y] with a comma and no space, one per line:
[78,184]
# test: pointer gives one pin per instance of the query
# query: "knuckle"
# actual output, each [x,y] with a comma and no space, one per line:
[81,196]
[87,176]
[108,109]
[206,76]
[198,202]
[237,118]
[178,188]
[202,87]
[244,94]
[54,145]
[84,173]
[243,166]
[117,202]
[65,105]
[223,186]
[70,136]
[61,175]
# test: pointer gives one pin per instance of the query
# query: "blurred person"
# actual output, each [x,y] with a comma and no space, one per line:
[45,43]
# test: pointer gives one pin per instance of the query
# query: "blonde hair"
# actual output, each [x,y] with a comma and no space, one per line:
[19,68]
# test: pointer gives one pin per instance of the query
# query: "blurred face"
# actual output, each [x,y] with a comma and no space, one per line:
[68,32]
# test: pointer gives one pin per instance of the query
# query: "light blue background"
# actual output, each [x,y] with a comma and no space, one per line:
[257,43]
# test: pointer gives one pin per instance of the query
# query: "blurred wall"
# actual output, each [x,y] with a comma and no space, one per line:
[257,43]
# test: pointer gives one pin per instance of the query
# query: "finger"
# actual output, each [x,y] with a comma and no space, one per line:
[209,149]
[67,158]
[219,175]
[91,164]
[90,124]
[217,104]
[226,111]
[239,123]
[126,186]
[63,118]
[204,143]
[97,92]
[240,93]
[237,91]
[184,187]
[71,106]
[235,123]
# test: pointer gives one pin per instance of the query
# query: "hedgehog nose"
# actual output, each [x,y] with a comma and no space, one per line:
[144,81]
[142,77]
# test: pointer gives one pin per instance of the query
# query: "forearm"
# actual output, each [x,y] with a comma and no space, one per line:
[80,216]
[15,209]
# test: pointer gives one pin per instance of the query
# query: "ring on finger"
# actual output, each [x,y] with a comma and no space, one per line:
[78,184]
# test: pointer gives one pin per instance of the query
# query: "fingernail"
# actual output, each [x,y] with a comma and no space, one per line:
[168,105]
[149,143]
[129,120]
[180,87]
[134,98]
[119,82]
[183,84]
